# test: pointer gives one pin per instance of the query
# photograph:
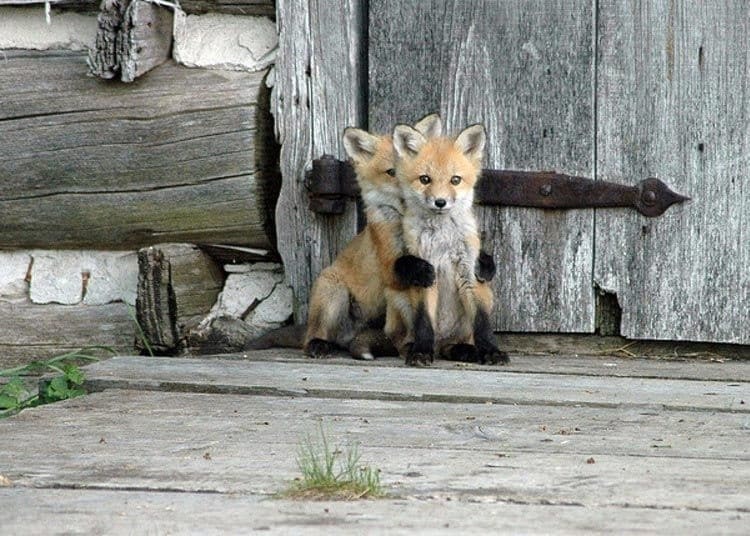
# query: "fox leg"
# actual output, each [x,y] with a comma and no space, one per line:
[399,317]
[460,346]
[424,304]
[329,323]
[484,336]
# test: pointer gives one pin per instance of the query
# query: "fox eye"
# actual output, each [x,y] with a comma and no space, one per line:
[391,172]
[425,179]
[455,179]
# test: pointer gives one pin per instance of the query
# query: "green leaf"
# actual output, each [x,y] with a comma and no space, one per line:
[14,388]
[73,374]
[56,389]
[8,402]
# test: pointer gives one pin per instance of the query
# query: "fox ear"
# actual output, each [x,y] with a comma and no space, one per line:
[471,141]
[360,145]
[431,126]
[407,141]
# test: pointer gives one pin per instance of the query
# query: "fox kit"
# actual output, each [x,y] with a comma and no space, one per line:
[348,296]
[437,178]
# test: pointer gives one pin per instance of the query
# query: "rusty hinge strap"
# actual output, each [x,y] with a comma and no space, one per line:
[332,181]
[548,189]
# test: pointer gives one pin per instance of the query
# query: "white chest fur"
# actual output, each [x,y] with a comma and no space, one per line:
[443,240]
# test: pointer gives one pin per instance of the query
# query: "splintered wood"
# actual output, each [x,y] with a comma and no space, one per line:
[133,38]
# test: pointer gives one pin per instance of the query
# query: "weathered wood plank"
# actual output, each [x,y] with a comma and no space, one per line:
[603,365]
[672,103]
[494,453]
[235,7]
[525,70]
[177,286]
[408,384]
[182,155]
[29,331]
[319,49]
[98,511]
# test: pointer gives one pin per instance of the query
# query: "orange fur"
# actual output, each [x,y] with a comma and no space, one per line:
[352,292]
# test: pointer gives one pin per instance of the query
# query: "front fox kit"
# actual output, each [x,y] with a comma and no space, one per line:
[437,177]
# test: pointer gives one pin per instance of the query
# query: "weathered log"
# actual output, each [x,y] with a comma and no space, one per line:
[104,60]
[235,7]
[30,331]
[181,155]
[177,286]
[133,38]
[223,334]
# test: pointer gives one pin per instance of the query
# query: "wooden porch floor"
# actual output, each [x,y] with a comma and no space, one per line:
[546,445]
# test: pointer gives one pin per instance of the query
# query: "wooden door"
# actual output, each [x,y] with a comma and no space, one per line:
[620,91]
[673,101]
[525,70]
[609,89]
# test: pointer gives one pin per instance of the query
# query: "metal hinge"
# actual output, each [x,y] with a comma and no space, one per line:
[331,182]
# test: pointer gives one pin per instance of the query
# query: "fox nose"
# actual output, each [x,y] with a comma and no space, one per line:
[440,202]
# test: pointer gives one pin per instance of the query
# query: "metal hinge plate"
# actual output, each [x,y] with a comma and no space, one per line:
[331,182]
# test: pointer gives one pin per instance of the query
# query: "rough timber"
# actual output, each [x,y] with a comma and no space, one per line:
[546,445]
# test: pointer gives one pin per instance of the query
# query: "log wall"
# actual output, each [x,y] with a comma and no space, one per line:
[182,155]
[235,7]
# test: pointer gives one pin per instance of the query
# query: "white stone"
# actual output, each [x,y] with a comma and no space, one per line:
[253,267]
[14,266]
[257,293]
[275,309]
[58,277]
[113,277]
[220,41]
[27,28]
[243,291]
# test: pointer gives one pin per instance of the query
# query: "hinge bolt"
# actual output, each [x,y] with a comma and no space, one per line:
[649,197]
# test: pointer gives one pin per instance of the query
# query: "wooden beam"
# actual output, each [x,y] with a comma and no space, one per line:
[181,155]
[32,331]
[177,286]
[235,7]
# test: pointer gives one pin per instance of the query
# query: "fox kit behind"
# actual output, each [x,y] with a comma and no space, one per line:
[437,178]
[351,293]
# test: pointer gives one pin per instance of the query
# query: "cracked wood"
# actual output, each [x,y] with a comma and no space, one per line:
[180,155]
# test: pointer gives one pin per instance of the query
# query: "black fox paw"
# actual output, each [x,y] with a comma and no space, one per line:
[466,353]
[418,359]
[319,348]
[490,355]
[485,268]
[411,271]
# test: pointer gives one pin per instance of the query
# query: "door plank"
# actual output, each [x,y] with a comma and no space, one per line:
[525,70]
[317,93]
[673,103]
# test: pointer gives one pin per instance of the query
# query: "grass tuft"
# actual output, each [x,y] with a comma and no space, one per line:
[332,474]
